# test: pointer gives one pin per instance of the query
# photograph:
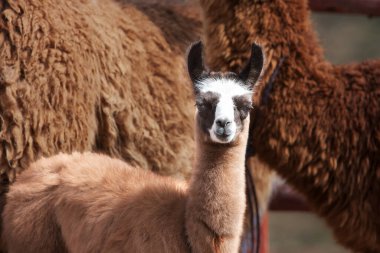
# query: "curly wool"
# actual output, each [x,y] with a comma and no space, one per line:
[95,75]
[320,128]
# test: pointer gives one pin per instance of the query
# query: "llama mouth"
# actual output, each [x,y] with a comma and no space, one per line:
[224,138]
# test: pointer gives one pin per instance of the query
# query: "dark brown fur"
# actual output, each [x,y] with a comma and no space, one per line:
[321,126]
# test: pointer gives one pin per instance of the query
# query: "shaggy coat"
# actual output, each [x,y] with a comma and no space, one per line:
[95,75]
[319,127]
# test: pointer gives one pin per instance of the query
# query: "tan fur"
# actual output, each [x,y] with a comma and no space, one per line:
[216,203]
[93,203]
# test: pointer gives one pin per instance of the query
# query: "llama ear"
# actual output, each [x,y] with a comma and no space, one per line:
[252,71]
[195,64]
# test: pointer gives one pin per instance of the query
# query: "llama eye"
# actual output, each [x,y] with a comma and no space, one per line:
[201,106]
[245,108]
[244,105]
[244,111]
[243,114]
[205,105]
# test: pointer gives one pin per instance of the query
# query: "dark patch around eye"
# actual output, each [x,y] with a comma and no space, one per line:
[207,100]
[206,104]
[243,106]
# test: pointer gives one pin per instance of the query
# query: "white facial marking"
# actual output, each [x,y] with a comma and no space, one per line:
[224,112]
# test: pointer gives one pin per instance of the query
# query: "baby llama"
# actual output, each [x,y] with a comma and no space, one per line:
[93,203]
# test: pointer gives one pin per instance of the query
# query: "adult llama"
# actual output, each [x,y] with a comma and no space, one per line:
[316,124]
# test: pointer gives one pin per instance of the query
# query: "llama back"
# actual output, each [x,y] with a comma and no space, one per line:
[29,213]
[93,203]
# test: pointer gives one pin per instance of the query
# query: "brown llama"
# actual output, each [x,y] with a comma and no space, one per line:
[93,203]
[95,76]
[317,124]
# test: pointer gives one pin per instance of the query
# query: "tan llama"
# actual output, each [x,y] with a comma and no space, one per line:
[85,203]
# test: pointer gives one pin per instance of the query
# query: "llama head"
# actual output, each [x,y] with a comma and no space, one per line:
[223,100]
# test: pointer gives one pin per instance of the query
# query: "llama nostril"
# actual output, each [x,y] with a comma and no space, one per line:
[222,122]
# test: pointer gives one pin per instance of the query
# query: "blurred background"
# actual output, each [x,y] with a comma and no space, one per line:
[345,38]
[348,38]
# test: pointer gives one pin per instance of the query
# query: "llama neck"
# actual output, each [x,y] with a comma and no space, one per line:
[283,29]
[216,201]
